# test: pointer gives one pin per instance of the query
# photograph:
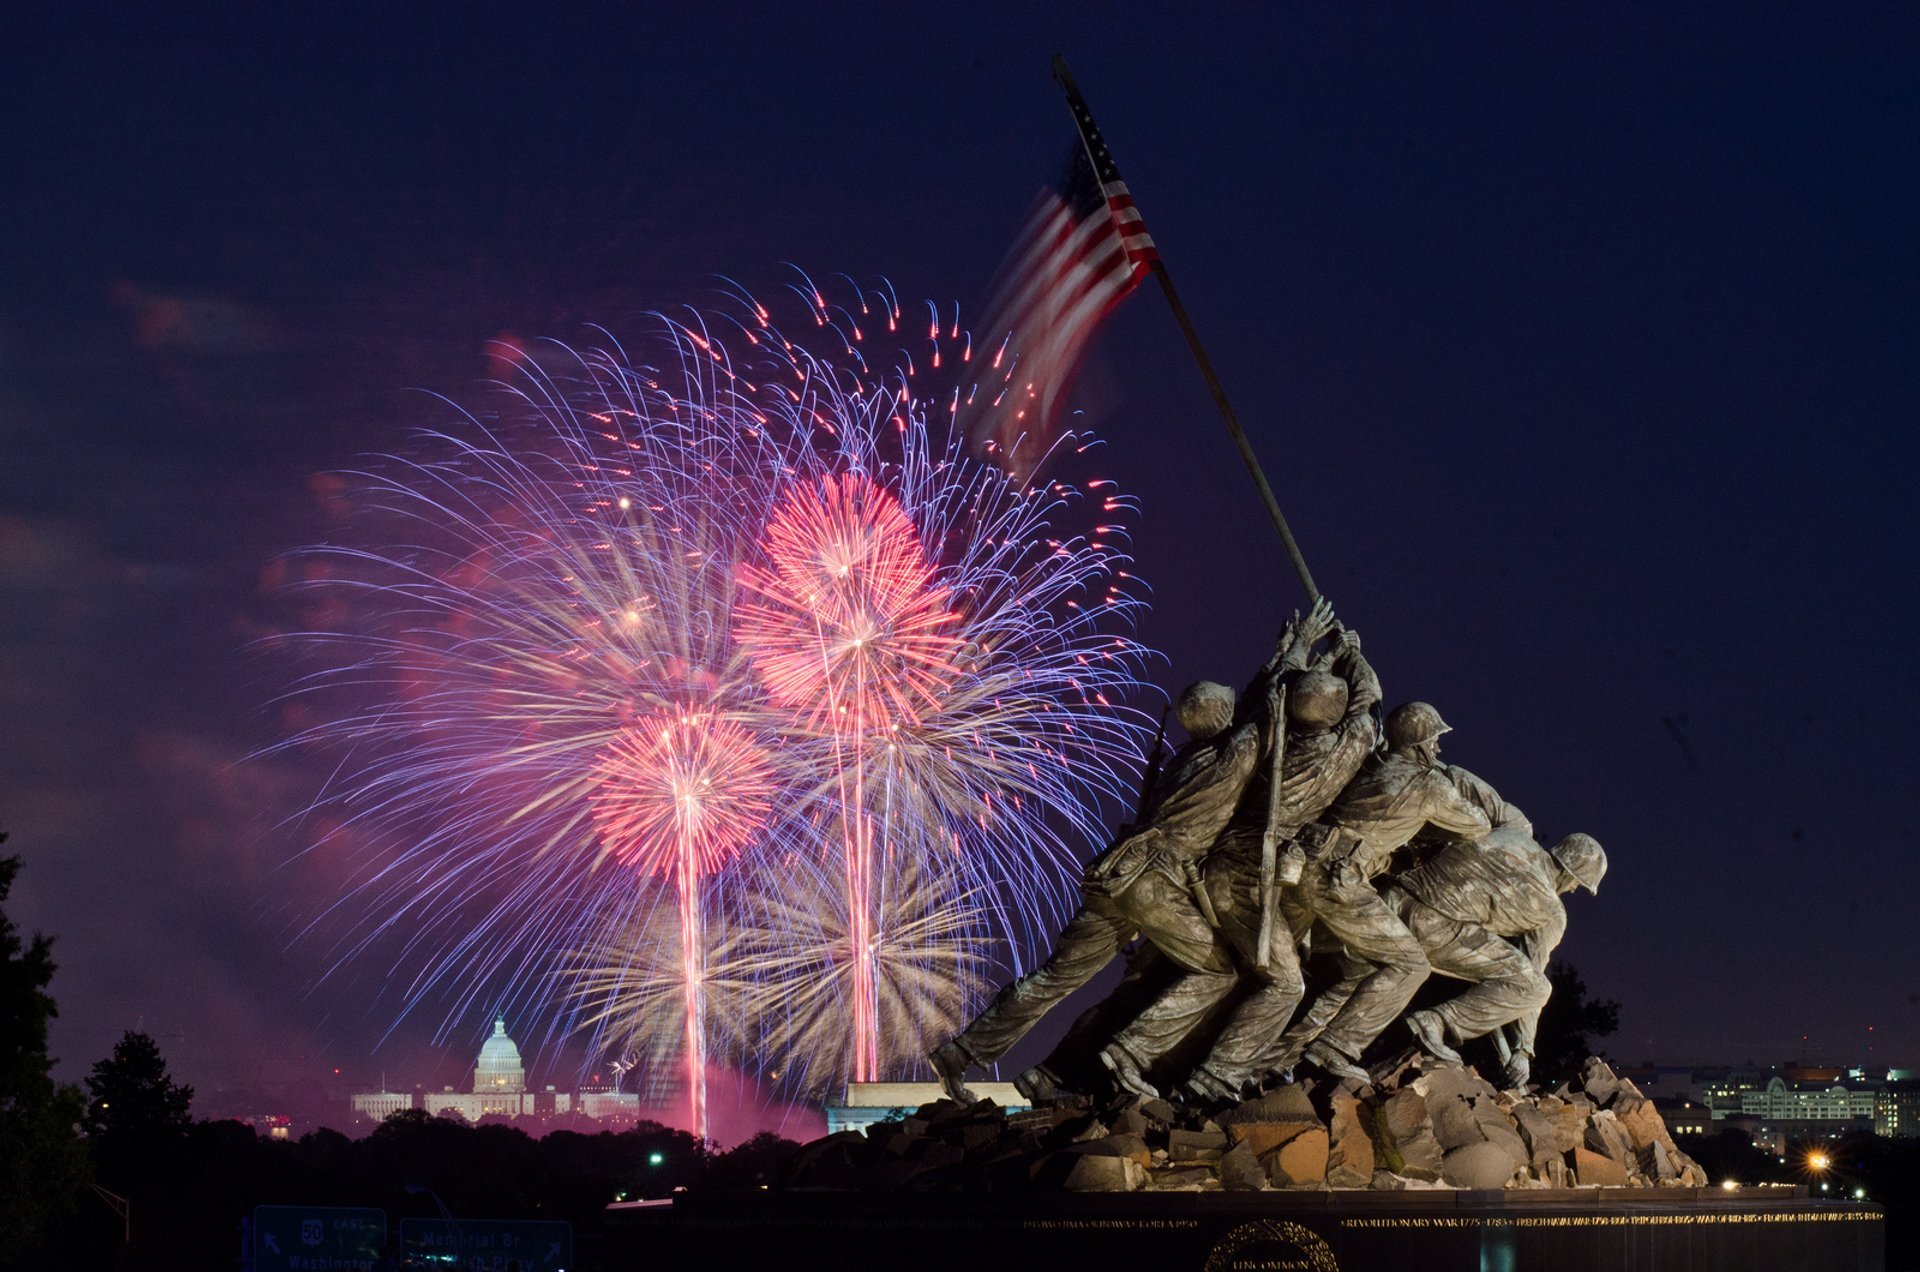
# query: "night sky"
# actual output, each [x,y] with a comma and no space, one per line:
[1579,346]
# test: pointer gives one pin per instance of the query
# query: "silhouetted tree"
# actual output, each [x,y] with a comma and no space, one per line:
[135,1112]
[43,1163]
[1571,1026]
[751,1163]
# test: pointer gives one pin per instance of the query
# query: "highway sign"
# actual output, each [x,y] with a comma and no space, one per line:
[486,1245]
[317,1238]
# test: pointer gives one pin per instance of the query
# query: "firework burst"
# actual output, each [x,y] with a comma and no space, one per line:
[926,963]
[848,627]
[681,793]
[779,975]
[735,625]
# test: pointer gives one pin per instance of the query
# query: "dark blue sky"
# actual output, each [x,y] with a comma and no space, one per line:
[1579,347]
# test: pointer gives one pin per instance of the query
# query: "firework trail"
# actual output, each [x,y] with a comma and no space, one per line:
[682,793]
[737,624]
[778,976]
[553,693]
[848,627]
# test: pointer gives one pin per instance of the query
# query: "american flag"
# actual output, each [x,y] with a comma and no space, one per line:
[1081,252]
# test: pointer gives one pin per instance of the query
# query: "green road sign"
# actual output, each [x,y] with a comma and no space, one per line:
[317,1238]
[486,1245]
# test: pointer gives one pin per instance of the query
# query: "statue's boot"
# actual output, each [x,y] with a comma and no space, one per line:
[1209,1088]
[1519,1071]
[1432,1033]
[1274,1079]
[1337,1064]
[1126,1072]
[1040,1085]
[949,1061]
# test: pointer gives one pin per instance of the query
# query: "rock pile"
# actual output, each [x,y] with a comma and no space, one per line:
[1426,1125]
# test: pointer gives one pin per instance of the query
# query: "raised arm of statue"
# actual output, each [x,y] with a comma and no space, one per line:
[1482,795]
[1363,683]
[1452,811]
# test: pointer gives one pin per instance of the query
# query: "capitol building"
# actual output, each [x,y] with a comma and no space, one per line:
[499,1090]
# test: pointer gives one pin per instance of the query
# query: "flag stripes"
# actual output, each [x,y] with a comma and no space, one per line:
[1082,251]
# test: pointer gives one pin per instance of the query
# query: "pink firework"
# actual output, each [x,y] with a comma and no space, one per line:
[745,615]
[682,792]
[846,623]
[847,626]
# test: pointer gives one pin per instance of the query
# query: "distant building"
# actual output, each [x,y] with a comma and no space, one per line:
[1684,1117]
[1662,1082]
[1721,1089]
[868,1102]
[1896,1109]
[499,1086]
[1781,1101]
[1782,1136]
[378,1106]
[499,1090]
[1785,1105]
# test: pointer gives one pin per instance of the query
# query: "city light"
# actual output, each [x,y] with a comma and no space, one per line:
[1818,1161]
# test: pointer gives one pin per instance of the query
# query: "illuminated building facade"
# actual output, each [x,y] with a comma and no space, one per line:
[1780,1101]
[499,1090]
[1896,1110]
[868,1102]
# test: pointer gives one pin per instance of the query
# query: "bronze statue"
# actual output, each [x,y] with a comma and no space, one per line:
[1489,911]
[1395,797]
[1330,732]
[1228,872]
[1148,882]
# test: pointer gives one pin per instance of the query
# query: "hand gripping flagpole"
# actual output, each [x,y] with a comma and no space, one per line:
[1095,147]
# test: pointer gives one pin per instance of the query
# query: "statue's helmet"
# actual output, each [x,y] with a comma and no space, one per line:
[1582,857]
[1412,723]
[1317,699]
[1205,708]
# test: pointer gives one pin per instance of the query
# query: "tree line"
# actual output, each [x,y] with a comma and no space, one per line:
[120,1175]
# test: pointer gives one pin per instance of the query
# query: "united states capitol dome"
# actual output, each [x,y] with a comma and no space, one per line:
[499,1068]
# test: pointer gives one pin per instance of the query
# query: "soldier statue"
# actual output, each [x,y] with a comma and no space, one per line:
[1396,796]
[1148,881]
[1489,911]
[1330,731]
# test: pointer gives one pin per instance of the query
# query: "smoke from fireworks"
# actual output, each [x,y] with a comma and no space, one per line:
[745,622]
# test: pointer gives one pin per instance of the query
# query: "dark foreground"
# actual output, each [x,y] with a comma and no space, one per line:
[1569,1230]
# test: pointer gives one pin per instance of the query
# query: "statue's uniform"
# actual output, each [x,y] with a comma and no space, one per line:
[1144,883]
[1394,798]
[1468,906]
[1314,768]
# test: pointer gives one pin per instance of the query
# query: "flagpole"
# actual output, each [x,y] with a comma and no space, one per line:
[1159,267]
